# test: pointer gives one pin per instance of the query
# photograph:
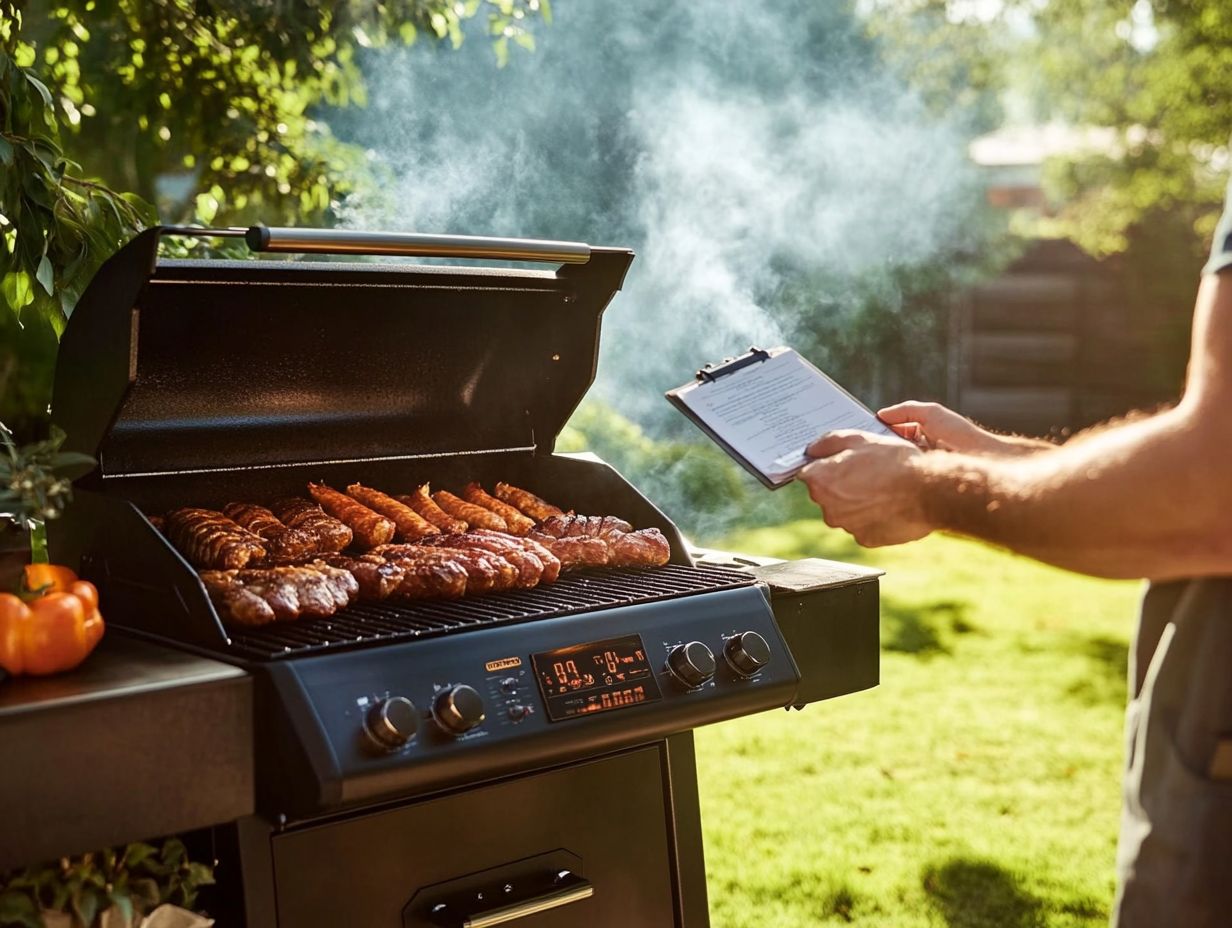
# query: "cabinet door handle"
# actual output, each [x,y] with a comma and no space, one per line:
[569,887]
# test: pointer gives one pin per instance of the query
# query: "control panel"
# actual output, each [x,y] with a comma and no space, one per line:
[473,705]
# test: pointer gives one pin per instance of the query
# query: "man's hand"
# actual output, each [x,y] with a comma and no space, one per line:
[869,485]
[932,425]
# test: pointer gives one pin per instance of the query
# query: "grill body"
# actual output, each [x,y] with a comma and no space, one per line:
[199,383]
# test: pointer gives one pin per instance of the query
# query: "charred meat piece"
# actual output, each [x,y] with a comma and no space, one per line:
[529,568]
[575,526]
[211,540]
[485,571]
[519,524]
[574,553]
[421,501]
[370,528]
[315,590]
[410,524]
[430,573]
[474,516]
[645,548]
[551,563]
[234,603]
[527,502]
[377,578]
[283,544]
[299,513]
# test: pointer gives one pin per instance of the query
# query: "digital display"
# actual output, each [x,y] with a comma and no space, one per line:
[595,677]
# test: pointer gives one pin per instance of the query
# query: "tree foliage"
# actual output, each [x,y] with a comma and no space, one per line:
[113,112]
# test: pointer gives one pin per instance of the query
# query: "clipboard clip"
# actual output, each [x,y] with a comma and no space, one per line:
[712,372]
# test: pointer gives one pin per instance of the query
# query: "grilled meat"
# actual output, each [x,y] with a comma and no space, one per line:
[574,552]
[529,568]
[299,513]
[645,548]
[314,589]
[575,526]
[485,571]
[377,577]
[551,563]
[475,516]
[410,524]
[370,528]
[233,601]
[282,544]
[518,523]
[421,501]
[434,573]
[527,502]
[211,540]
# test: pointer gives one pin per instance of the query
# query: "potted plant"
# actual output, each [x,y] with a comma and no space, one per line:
[136,886]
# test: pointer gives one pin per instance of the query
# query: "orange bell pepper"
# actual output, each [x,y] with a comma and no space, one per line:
[51,633]
[48,578]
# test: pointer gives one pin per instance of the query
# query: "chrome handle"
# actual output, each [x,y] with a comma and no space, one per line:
[414,244]
[570,888]
[404,244]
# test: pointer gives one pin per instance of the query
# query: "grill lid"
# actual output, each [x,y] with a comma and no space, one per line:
[170,366]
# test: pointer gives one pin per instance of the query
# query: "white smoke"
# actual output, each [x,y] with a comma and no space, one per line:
[735,147]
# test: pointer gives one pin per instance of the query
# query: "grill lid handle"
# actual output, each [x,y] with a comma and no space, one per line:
[405,244]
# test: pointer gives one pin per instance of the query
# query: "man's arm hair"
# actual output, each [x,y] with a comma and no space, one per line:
[1145,498]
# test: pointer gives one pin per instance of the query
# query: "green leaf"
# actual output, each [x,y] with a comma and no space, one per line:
[16,908]
[124,903]
[40,87]
[137,852]
[45,275]
[17,290]
[6,151]
[86,906]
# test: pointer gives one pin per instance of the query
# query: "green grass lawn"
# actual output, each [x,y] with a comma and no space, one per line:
[976,787]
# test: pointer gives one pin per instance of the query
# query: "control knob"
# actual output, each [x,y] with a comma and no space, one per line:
[747,653]
[392,722]
[458,709]
[692,664]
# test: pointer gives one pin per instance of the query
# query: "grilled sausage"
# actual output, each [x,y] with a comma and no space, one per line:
[485,571]
[575,526]
[527,502]
[431,573]
[421,501]
[211,540]
[370,528]
[299,513]
[475,516]
[574,552]
[518,523]
[645,548]
[282,544]
[377,578]
[410,524]
[551,563]
[529,568]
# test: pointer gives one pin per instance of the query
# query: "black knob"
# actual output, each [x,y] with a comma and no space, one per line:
[692,664]
[747,653]
[458,709]
[392,722]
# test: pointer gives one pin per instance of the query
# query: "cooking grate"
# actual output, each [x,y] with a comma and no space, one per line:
[364,624]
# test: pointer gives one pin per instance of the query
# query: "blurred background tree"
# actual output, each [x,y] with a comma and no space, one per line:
[115,112]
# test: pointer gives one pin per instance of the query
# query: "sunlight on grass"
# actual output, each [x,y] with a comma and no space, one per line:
[976,787]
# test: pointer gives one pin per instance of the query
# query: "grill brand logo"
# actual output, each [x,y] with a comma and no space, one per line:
[505,663]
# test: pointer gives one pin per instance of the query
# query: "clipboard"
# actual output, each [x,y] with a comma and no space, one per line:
[714,373]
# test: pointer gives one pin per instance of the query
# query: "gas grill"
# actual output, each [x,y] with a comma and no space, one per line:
[435,763]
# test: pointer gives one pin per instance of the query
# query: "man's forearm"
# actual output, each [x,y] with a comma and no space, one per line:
[1144,499]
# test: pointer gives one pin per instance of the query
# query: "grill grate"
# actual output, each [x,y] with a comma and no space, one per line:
[366,624]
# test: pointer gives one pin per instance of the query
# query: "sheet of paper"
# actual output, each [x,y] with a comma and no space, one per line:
[770,411]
